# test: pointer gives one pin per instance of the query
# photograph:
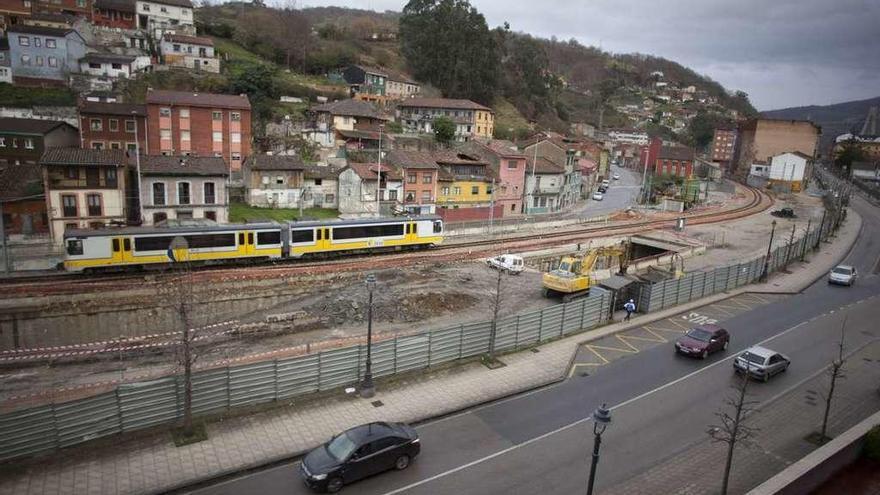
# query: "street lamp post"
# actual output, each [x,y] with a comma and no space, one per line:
[379,172]
[367,388]
[601,420]
[137,161]
[766,270]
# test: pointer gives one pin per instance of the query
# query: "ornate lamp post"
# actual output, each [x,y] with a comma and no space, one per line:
[601,420]
[367,389]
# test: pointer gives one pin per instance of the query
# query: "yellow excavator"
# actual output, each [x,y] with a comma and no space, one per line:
[577,273]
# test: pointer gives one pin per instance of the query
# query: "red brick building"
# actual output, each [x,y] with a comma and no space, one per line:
[113,126]
[670,160]
[114,13]
[13,12]
[204,124]
[723,144]
[420,176]
[78,8]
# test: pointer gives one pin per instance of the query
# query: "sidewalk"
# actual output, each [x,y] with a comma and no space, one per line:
[151,463]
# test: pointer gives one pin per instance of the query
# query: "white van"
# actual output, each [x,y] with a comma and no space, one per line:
[510,263]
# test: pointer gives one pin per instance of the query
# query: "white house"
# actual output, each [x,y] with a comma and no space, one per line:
[107,65]
[162,16]
[789,168]
[191,52]
[183,188]
[629,136]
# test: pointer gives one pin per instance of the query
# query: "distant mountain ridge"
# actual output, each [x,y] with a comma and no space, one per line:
[835,119]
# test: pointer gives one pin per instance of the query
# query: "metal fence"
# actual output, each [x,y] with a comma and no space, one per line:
[144,404]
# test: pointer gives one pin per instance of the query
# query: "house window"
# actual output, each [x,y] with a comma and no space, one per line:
[163,9]
[445,191]
[29,143]
[71,173]
[97,145]
[129,126]
[215,115]
[25,60]
[210,197]
[211,215]
[456,190]
[411,178]
[329,198]
[53,62]
[235,116]
[511,164]
[24,41]
[513,207]
[183,193]
[475,189]
[37,41]
[185,135]
[81,4]
[116,66]
[392,195]
[218,136]
[131,147]
[279,180]
[2,142]
[68,205]
[146,8]
[164,133]
[94,202]
[158,193]
[159,217]
[318,182]
[176,47]
[94,65]
[110,177]
[114,125]
[235,137]
[51,43]
[72,226]
[165,112]
[184,113]
[426,195]
[427,178]
[236,157]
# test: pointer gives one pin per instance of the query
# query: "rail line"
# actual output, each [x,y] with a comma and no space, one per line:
[61,283]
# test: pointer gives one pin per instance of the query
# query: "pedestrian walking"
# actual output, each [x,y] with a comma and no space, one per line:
[630,308]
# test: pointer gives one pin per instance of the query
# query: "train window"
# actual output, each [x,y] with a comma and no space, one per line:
[159,243]
[115,245]
[126,244]
[438,226]
[268,238]
[251,238]
[210,240]
[74,247]
[302,235]
[367,231]
[241,239]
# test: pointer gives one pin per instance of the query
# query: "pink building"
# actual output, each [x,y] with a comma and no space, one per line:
[509,165]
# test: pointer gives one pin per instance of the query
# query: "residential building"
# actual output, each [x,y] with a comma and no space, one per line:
[204,124]
[78,8]
[43,54]
[869,144]
[14,11]
[760,139]
[57,21]
[508,167]
[84,189]
[320,186]
[401,86]
[471,120]
[362,79]
[420,185]
[357,189]
[23,202]
[274,181]
[560,152]
[348,115]
[544,181]
[723,146]
[113,126]
[788,169]
[191,52]
[115,14]
[670,160]
[162,16]
[183,188]
[466,188]
[629,136]
[583,129]
[107,65]
[25,140]
[5,63]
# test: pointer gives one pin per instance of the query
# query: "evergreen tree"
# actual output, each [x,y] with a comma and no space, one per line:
[444,130]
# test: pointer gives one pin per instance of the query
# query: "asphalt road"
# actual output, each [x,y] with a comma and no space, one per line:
[540,442]
[619,196]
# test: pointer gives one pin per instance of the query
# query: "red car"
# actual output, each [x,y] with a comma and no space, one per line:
[702,341]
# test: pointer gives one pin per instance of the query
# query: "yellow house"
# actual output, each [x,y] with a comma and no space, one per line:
[464,181]
[485,124]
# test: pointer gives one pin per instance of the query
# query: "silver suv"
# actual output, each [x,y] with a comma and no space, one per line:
[761,363]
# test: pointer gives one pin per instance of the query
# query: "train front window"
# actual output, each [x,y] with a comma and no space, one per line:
[74,247]
[438,226]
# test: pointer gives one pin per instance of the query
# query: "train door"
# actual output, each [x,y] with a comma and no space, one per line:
[116,255]
[413,231]
[325,242]
[246,243]
[127,254]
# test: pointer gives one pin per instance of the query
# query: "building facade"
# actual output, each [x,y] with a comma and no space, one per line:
[471,120]
[362,79]
[44,53]
[273,181]
[420,171]
[114,126]
[77,8]
[629,136]
[676,161]
[348,115]
[115,14]
[14,11]
[162,16]
[191,52]
[543,185]
[183,188]
[203,124]
[761,139]
[508,166]
[357,189]
[320,187]
[107,65]
[25,140]
[84,189]
[723,146]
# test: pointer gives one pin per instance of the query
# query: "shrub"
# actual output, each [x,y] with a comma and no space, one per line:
[872,444]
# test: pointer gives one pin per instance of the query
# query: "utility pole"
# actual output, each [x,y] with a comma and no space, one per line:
[806,238]
[137,161]
[821,228]
[379,172]
[6,267]
[645,178]
[494,330]
[766,270]
[492,208]
[534,180]
[788,248]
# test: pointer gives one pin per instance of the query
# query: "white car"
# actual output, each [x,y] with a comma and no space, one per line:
[509,263]
[606,182]
[597,196]
[842,275]
[616,176]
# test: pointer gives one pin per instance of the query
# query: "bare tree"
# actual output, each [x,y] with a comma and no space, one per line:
[493,334]
[835,371]
[732,430]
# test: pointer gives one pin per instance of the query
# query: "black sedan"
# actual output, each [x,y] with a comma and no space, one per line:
[360,452]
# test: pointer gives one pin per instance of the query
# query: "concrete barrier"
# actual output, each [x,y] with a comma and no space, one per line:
[819,466]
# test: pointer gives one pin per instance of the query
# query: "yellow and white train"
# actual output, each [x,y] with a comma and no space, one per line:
[139,246]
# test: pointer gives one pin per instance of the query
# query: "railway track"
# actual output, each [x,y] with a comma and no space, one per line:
[67,283]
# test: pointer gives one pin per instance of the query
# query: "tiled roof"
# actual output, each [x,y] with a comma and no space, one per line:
[192,40]
[107,57]
[353,108]
[183,165]
[188,98]
[367,171]
[102,108]
[457,158]
[77,156]
[320,172]
[543,166]
[355,134]
[176,3]
[412,159]
[372,70]
[40,30]
[29,126]
[20,181]
[442,103]
[45,16]
[802,155]
[274,162]
[120,5]
[675,153]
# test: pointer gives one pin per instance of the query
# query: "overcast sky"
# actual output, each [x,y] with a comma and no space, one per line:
[782,53]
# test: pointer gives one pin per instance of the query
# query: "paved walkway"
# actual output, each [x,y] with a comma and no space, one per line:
[150,463]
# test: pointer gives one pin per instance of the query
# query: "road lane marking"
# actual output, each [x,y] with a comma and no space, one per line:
[588,418]
[578,365]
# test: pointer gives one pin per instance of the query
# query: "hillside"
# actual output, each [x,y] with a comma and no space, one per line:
[835,120]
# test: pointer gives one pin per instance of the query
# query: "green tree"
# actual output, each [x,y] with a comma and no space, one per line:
[394,127]
[701,129]
[848,153]
[448,44]
[444,130]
